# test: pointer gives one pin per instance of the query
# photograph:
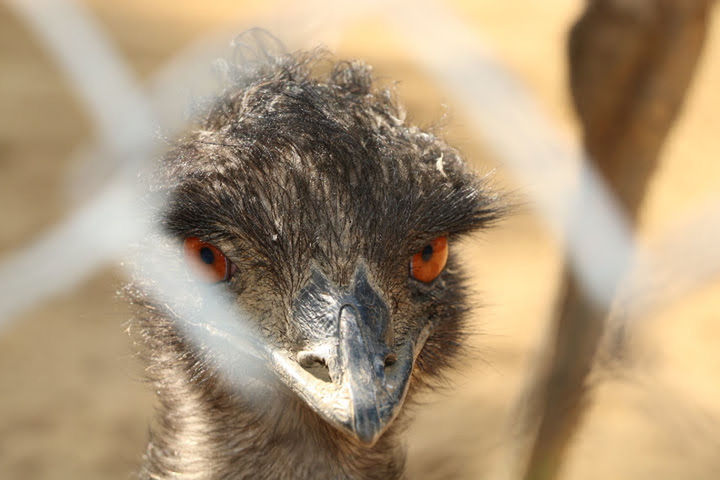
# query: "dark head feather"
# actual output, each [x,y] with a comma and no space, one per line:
[292,170]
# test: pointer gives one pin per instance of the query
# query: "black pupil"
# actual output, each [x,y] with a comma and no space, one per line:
[427,253]
[207,255]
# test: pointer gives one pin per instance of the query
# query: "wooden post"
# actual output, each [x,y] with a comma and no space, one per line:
[631,62]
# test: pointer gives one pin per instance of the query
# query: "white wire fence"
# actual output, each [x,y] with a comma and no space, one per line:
[129,118]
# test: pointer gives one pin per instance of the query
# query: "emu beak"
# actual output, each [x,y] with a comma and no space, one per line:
[346,372]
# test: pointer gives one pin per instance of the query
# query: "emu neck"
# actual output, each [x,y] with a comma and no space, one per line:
[203,432]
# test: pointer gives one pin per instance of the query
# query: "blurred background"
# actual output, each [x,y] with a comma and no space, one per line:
[73,403]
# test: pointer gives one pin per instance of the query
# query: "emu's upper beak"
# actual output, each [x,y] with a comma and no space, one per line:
[346,371]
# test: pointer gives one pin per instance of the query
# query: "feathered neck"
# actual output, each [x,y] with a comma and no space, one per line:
[203,432]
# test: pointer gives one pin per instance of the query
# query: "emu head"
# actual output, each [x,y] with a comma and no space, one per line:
[327,220]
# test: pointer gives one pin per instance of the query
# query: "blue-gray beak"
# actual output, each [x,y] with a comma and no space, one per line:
[348,369]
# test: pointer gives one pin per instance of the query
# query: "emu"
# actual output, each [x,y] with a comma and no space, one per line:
[307,200]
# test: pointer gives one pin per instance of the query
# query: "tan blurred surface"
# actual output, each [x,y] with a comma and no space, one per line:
[72,402]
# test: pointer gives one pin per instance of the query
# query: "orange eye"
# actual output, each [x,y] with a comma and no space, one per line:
[207,260]
[427,264]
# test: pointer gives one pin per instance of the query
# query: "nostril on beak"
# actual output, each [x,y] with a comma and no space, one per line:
[390,359]
[315,363]
[310,359]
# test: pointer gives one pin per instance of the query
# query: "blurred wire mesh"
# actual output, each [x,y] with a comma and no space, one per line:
[132,119]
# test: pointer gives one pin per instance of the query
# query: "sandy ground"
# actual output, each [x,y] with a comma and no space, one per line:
[72,402]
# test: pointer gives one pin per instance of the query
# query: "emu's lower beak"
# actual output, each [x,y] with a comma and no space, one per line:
[346,371]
